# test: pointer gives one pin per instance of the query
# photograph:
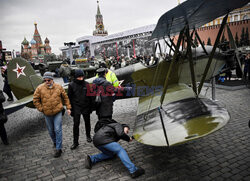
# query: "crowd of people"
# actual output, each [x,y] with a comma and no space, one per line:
[242,72]
[114,63]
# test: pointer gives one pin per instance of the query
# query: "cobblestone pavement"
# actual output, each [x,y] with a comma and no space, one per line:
[224,155]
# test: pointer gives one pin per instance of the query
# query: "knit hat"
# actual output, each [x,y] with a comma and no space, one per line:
[79,73]
[48,75]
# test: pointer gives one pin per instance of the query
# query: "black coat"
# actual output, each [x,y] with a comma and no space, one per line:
[77,92]
[109,133]
[6,87]
[2,99]
[105,108]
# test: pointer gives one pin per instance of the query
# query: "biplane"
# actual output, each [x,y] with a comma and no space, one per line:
[171,109]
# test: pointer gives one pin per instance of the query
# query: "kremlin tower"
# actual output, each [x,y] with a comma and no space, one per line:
[37,49]
[99,27]
[47,47]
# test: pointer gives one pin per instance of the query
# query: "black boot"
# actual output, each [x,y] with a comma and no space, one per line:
[74,146]
[58,153]
[10,99]
[89,139]
[5,142]
[88,163]
[3,134]
[138,172]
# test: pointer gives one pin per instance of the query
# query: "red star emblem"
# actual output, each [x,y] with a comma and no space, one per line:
[19,70]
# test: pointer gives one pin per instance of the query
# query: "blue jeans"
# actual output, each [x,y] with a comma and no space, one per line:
[54,125]
[109,151]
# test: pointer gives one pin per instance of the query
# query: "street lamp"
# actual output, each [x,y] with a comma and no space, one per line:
[128,47]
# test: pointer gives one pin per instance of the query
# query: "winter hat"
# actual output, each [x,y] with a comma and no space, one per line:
[100,70]
[79,73]
[48,75]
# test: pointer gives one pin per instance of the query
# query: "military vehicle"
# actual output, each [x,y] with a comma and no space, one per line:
[86,66]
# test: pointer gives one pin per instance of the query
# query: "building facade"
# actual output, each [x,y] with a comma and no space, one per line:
[238,20]
[234,16]
[35,49]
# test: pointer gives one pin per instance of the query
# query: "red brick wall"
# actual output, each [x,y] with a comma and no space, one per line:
[212,31]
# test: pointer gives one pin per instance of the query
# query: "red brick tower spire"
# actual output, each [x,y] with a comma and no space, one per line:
[37,36]
[99,27]
[47,46]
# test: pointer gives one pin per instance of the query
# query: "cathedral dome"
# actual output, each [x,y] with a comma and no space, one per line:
[33,42]
[25,42]
[46,40]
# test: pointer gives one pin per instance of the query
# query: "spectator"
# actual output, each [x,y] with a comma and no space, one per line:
[247,67]
[3,120]
[64,71]
[123,63]
[109,75]
[106,90]
[48,99]
[6,87]
[81,105]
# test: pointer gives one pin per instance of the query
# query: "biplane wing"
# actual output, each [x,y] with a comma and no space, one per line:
[195,13]
[19,104]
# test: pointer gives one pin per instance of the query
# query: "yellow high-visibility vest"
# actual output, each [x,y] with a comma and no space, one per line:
[111,77]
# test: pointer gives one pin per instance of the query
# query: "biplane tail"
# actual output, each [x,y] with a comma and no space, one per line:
[22,78]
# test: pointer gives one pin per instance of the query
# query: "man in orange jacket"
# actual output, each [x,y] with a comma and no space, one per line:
[48,99]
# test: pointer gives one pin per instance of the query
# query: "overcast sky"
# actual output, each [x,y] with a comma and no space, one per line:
[66,20]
